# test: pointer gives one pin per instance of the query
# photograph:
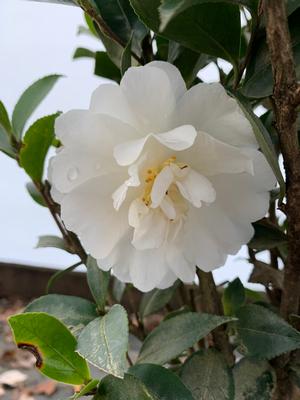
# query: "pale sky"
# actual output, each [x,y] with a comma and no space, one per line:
[38,39]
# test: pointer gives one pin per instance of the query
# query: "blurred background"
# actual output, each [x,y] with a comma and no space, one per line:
[38,39]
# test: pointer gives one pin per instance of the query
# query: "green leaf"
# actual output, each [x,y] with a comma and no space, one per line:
[118,289]
[52,241]
[209,28]
[292,6]
[113,49]
[72,311]
[87,389]
[189,64]
[265,275]
[233,297]
[120,18]
[156,299]
[267,236]
[161,381]
[263,139]
[179,333]
[207,376]
[263,334]
[5,144]
[253,380]
[82,52]
[4,118]
[37,141]
[126,57]
[104,342]
[259,78]
[35,194]
[130,387]
[29,101]
[53,346]
[98,282]
[105,67]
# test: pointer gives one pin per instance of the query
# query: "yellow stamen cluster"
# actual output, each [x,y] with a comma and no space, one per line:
[150,178]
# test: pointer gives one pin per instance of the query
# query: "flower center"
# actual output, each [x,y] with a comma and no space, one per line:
[151,175]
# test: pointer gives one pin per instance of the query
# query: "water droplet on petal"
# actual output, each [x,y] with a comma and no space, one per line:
[73,174]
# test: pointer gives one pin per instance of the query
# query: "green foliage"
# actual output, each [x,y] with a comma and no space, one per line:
[105,67]
[263,139]
[112,388]
[29,101]
[161,381]
[5,143]
[205,28]
[180,333]
[98,281]
[126,57]
[87,389]
[73,311]
[53,346]
[253,380]
[35,194]
[37,141]
[82,52]
[156,299]
[208,376]
[266,236]
[59,275]
[234,297]
[104,342]
[263,334]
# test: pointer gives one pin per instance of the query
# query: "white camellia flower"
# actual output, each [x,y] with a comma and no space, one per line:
[156,179]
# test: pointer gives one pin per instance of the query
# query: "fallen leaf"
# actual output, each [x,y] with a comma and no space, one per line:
[12,377]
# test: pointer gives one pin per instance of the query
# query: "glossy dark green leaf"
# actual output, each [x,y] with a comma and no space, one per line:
[130,387]
[266,236]
[35,194]
[37,142]
[259,79]
[263,139]
[211,28]
[156,299]
[105,67]
[126,57]
[233,297]
[180,333]
[161,381]
[72,311]
[253,380]
[120,19]
[82,52]
[53,346]
[91,387]
[207,376]
[263,334]
[118,289]
[29,101]
[98,282]
[104,342]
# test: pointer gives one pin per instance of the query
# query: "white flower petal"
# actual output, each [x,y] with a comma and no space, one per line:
[209,108]
[109,99]
[151,233]
[210,156]
[180,266]
[150,94]
[137,210]
[196,188]
[174,76]
[178,139]
[167,206]
[160,186]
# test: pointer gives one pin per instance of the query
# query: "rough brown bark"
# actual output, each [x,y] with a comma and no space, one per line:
[285,99]
[212,304]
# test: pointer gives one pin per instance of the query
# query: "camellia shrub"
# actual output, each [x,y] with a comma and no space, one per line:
[153,187]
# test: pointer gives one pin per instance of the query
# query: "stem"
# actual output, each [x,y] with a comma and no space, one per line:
[285,100]
[211,303]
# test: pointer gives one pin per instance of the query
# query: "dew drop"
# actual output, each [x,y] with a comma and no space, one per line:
[73,174]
